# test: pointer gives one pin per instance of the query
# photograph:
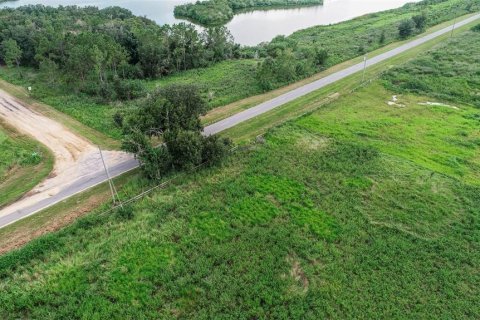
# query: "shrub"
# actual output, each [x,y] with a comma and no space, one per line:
[129,89]
[214,149]
[125,212]
[405,29]
[420,21]
[185,148]
[118,119]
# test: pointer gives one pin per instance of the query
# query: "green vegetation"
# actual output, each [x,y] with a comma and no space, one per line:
[359,210]
[222,82]
[172,115]
[451,72]
[11,52]
[80,106]
[23,164]
[105,52]
[289,59]
[219,12]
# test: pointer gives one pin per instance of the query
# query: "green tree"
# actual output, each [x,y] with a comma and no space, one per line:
[405,29]
[173,108]
[321,56]
[185,148]
[11,53]
[382,37]
[172,114]
[420,21]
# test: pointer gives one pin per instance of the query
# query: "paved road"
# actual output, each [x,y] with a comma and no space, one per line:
[95,179]
[306,89]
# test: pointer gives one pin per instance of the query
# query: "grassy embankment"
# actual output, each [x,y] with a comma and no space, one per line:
[358,210]
[228,82]
[23,164]
[219,12]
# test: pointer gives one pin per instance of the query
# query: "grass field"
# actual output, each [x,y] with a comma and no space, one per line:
[359,210]
[23,164]
[451,73]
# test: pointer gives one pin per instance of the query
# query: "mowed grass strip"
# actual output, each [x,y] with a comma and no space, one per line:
[353,211]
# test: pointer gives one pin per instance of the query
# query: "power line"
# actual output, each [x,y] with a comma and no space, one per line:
[364,67]
[113,190]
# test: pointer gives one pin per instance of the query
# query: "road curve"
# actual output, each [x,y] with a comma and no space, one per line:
[88,182]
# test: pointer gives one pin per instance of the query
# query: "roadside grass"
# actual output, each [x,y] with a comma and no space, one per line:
[23,164]
[307,225]
[246,131]
[451,72]
[221,83]
[225,111]
[352,211]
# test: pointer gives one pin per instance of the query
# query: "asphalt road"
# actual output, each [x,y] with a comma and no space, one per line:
[95,179]
[306,89]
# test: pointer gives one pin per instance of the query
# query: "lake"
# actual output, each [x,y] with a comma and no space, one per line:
[249,28]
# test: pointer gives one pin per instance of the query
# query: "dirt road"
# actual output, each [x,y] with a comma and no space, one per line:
[75,157]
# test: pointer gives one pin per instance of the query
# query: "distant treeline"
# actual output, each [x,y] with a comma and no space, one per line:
[104,52]
[219,12]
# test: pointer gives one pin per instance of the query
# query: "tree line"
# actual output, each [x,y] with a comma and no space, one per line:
[219,12]
[104,52]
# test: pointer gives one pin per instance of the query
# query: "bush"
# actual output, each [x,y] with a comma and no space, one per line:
[118,119]
[215,149]
[129,89]
[405,29]
[476,28]
[125,212]
[420,21]
[185,148]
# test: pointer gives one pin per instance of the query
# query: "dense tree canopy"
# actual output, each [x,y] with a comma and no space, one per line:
[101,51]
[11,52]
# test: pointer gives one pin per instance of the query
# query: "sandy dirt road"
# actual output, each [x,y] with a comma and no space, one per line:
[75,157]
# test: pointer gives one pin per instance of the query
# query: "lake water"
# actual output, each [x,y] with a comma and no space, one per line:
[248,28]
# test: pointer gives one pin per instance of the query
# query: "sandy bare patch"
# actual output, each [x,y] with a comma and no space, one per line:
[75,157]
[394,102]
[438,104]
[298,276]
[312,142]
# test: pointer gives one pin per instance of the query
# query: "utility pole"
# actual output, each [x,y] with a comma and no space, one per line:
[364,67]
[453,27]
[113,190]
